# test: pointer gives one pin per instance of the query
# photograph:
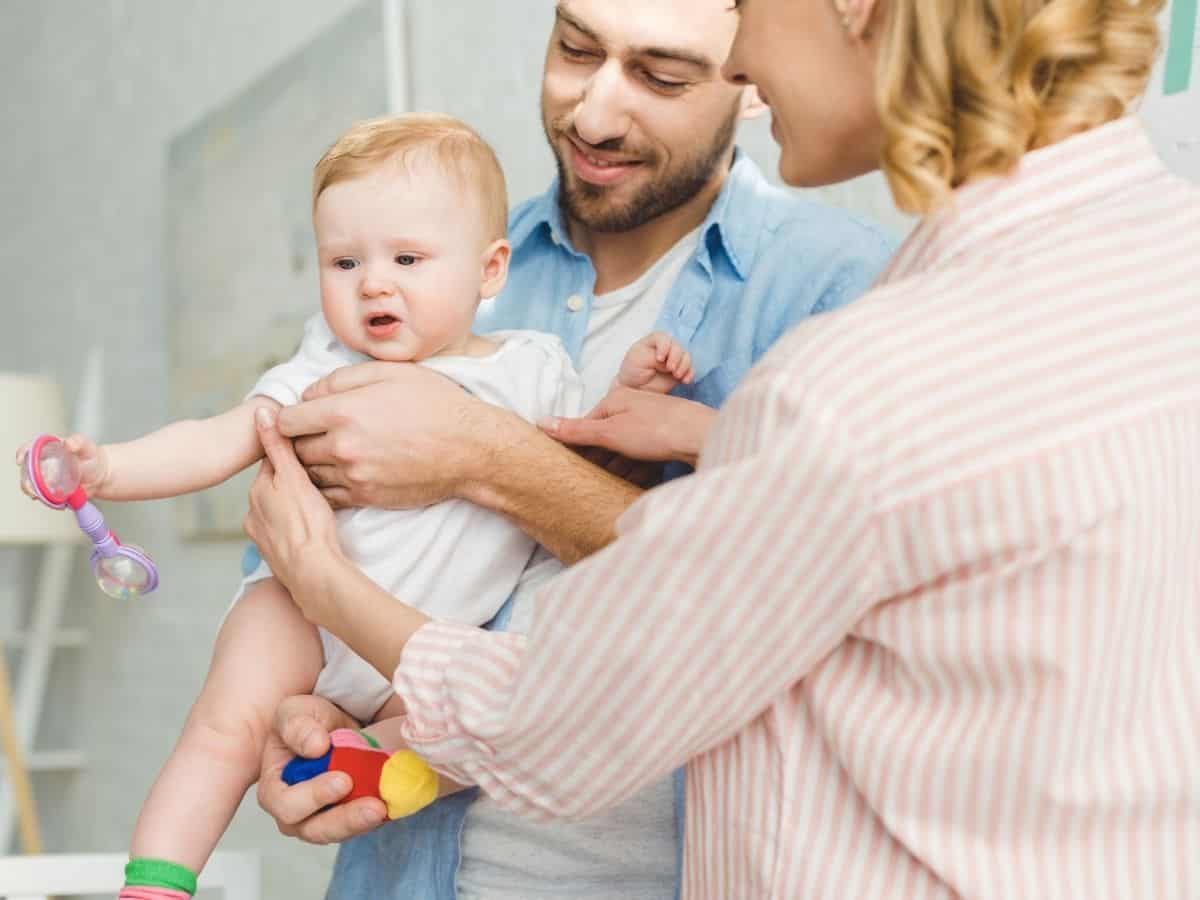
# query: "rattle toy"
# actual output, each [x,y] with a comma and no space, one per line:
[51,473]
[402,780]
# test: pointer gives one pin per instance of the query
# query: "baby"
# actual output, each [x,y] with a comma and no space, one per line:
[410,216]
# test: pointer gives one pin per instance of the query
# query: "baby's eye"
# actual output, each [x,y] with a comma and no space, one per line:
[345,264]
[406,259]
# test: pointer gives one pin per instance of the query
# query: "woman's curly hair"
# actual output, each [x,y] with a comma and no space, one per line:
[966,87]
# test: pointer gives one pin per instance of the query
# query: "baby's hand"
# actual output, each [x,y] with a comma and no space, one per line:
[93,464]
[94,468]
[22,452]
[656,363]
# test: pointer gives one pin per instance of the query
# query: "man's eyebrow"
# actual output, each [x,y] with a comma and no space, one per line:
[564,16]
[670,54]
[678,54]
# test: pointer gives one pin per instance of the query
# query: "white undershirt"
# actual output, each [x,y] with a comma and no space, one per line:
[627,853]
[622,317]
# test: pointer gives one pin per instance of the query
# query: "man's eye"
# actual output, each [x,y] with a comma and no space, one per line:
[575,52]
[668,87]
[406,259]
[345,264]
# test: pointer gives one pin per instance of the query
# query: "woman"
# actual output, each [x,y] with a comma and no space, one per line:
[924,621]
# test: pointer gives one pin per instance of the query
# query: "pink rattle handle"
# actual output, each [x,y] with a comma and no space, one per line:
[122,571]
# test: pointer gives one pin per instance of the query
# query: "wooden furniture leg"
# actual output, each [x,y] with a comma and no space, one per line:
[18,774]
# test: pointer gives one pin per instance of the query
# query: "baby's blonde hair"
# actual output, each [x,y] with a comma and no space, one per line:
[965,87]
[444,141]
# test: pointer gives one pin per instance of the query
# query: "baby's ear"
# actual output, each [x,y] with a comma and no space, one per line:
[495,261]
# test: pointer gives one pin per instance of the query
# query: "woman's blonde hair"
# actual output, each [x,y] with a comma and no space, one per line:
[444,141]
[965,87]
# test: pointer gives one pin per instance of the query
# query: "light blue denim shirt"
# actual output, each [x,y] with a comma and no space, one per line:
[766,260]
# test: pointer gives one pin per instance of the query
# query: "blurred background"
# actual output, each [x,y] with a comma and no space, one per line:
[154,195]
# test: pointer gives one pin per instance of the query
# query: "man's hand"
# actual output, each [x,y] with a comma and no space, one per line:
[392,435]
[302,727]
[640,425]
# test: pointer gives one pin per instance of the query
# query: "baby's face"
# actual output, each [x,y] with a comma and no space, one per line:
[401,262]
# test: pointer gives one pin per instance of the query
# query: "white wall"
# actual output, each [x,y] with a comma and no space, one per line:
[91,93]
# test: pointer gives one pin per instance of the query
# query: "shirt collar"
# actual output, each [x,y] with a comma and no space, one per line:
[735,218]
[543,217]
[1048,182]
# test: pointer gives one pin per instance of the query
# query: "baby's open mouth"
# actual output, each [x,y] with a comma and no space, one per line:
[382,326]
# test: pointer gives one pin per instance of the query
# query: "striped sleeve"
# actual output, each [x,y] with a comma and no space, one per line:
[723,589]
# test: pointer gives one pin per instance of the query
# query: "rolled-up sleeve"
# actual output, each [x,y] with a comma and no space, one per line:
[723,590]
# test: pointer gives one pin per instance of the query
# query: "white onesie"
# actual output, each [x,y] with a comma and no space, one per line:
[454,561]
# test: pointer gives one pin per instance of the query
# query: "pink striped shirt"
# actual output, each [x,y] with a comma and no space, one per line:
[926,623]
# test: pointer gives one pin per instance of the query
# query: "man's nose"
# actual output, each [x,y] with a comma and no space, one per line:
[602,113]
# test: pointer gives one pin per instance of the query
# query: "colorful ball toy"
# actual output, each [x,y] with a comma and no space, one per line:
[402,780]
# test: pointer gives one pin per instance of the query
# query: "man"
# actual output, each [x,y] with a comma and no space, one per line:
[656,222]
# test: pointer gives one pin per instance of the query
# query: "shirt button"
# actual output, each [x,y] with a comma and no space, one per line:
[574,303]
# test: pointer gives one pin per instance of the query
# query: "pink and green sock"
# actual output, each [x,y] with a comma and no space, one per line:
[157,879]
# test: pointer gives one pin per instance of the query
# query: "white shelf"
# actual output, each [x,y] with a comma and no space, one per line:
[64,638]
[54,761]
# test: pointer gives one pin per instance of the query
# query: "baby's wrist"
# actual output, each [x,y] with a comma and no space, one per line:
[102,477]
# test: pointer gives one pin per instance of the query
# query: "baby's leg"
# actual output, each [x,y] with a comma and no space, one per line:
[390,710]
[266,651]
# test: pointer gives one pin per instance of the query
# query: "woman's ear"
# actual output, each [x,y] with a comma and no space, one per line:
[857,16]
[752,105]
[495,261]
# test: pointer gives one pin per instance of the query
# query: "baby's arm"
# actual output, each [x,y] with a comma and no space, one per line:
[178,459]
[655,363]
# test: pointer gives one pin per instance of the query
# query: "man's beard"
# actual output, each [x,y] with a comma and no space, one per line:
[591,204]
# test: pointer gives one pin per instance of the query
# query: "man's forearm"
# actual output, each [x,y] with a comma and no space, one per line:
[561,500]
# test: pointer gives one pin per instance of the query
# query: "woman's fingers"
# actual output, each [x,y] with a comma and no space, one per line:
[281,456]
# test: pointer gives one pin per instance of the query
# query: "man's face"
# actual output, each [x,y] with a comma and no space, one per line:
[634,106]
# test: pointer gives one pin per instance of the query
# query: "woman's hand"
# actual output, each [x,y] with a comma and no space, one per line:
[302,727]
[288,520]
[393,435]
[296,534]
[640,425]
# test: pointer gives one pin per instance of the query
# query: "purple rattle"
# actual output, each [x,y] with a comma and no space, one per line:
[51,473]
